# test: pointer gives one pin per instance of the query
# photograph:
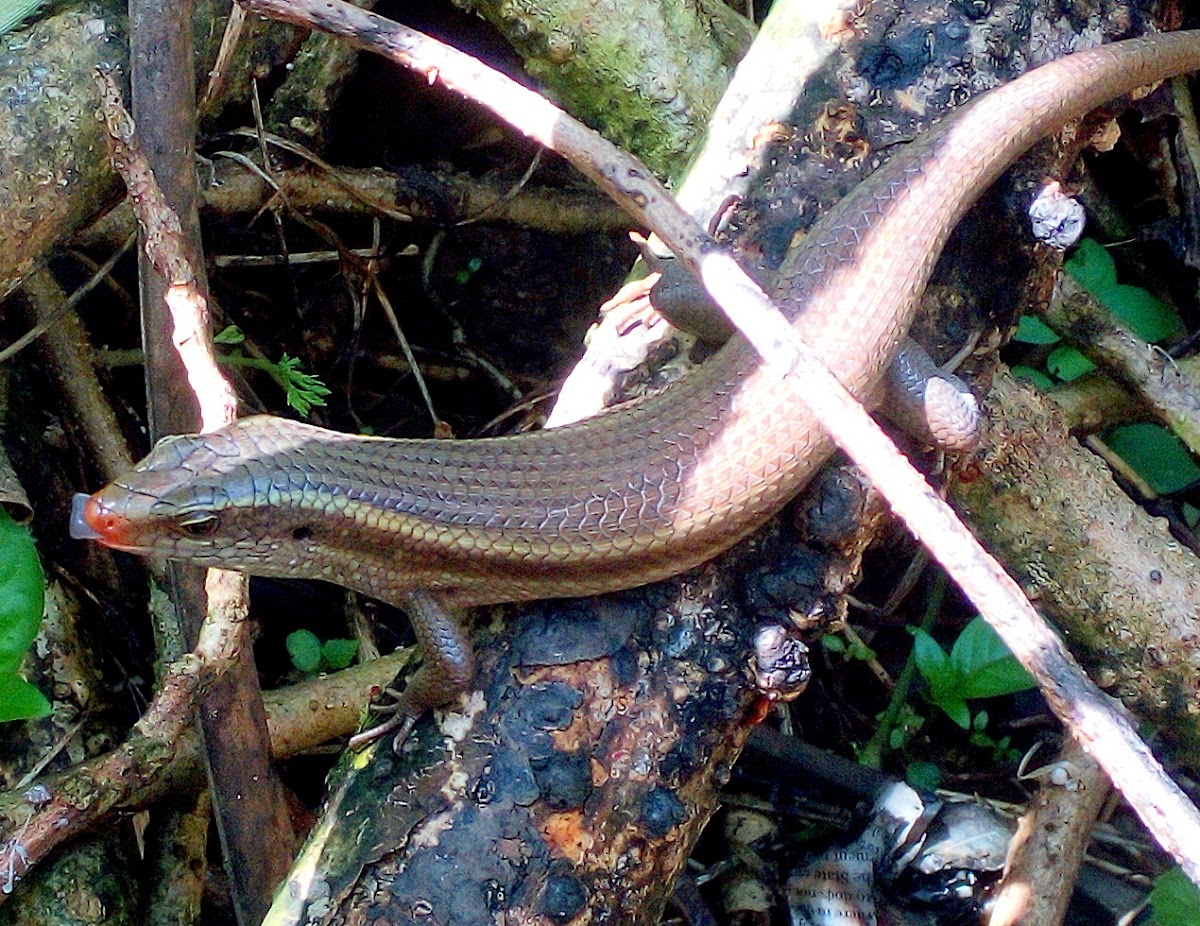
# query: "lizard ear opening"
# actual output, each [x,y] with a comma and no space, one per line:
[303,532]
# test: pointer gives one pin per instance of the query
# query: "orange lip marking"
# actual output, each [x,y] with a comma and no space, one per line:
[103,524]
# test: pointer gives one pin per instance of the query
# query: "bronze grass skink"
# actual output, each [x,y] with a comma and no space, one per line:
[636,494]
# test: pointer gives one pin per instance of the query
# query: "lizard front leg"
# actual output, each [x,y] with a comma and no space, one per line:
[447,667]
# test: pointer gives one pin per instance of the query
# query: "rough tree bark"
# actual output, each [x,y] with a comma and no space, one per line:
[53,158]
[648,73]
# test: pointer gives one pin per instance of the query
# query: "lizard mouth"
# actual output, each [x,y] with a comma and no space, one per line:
[92,520]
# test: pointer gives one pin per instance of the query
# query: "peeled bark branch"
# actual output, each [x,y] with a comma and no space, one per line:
[1105,572]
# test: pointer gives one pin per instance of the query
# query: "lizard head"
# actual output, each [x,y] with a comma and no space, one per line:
[212,499]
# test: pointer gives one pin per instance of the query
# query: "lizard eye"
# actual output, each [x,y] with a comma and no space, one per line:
[199,524]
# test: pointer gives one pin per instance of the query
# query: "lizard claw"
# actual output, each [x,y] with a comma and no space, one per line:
[401,721]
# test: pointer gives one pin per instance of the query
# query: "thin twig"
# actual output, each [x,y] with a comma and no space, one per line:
[219,74]
[335,175]
[162,750]
[218,403]
[276,211]
[386,304]
[509,194]
[67,305]
[1054,832]
[69,362]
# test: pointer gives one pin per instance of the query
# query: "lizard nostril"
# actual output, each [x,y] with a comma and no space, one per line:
[90,520]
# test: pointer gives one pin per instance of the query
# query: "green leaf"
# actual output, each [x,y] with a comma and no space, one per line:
[860,651]
[1036,378]
[1190,514]
[833,643]
[20,700]
[1147,316]
[1157,455]
[463,276]
[22,595]
[12,12]
[1092,267]
[923,775]
[1032,330]
[1174,900]
[941,675]
[339,653]
[305,650]
[953,706]
[978,666]
[1068,364]
[304,391]
[932,661]
[229,335]
[986,667]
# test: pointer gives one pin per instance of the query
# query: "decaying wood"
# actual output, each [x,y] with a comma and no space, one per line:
[575,779]
[56,176]
[54,180]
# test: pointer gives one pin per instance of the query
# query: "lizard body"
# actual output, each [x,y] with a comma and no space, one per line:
[636,494]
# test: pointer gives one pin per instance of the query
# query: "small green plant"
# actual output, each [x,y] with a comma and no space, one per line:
[1032,330]
[853,649]
[310,656]
[923,775]
[1004,753]
[303,391]
[1152,450]
[979,665]
[1174,900]
[22,593]
[905,725]
[464,274]
[1092,267]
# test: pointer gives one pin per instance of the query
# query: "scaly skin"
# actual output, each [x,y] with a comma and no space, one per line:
[642,492]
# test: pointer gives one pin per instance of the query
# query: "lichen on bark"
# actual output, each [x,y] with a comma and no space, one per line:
[670,62]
